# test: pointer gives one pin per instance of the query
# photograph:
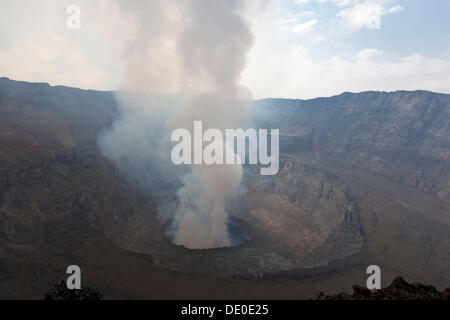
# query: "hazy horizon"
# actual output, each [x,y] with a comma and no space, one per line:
[254,99]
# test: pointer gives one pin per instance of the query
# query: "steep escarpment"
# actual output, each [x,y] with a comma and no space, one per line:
[71,189]
[54,181]
[310,208]
[402,135]
[50,167]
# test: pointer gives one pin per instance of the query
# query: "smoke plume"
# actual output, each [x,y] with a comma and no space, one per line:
[195,51]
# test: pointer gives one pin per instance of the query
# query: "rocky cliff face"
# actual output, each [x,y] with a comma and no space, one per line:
[50,168]
[404,136]
[310,208]
[54,184]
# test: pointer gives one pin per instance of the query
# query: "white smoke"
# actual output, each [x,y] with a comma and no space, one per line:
[198,49]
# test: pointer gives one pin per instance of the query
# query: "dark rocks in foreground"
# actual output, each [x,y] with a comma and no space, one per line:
[399,289]
[60,292]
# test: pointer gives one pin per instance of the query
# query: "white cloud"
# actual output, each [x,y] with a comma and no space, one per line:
[368,54]
[302,76]
[305,14]
[276,68]
[36,63]
[304,27]
[288,20]
[344,3]
[291,18]
[366,13]
[301,2]
[395,9]
[35,44]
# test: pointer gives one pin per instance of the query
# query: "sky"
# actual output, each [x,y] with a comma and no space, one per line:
[302,48]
